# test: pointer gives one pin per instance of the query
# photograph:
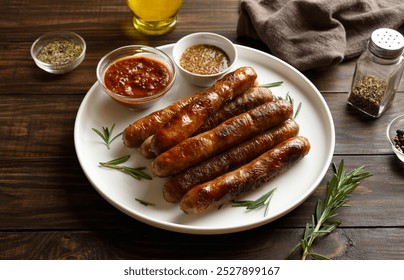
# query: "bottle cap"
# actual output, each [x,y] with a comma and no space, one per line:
[386,43]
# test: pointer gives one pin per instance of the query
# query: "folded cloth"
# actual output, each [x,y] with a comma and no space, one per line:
[317,33]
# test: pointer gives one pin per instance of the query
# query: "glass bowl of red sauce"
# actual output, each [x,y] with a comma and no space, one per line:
[136,76]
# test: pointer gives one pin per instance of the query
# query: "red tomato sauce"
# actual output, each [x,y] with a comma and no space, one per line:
[137,76]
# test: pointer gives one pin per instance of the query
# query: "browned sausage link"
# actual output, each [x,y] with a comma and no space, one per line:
[250,99]
[229,133]
[192,116]
[136,133]
[231,185]
[175,188]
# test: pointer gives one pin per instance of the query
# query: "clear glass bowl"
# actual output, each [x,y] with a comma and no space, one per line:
[394,125]
[53,38]
[138,103]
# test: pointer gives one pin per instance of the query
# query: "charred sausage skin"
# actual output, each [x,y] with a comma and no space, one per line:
[137,132]
[231,185]
[231,132]
[250,99]
[188,120]
[175,188]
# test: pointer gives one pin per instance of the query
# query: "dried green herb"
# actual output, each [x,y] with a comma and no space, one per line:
[60,52]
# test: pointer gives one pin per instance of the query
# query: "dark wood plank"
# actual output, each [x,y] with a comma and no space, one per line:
[38,125]
[265,243]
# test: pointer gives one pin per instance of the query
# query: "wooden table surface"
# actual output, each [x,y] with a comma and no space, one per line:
[48,208]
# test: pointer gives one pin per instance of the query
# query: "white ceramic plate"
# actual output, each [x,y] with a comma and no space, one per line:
[293,187]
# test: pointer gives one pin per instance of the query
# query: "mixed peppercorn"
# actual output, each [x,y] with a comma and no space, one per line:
[399,140]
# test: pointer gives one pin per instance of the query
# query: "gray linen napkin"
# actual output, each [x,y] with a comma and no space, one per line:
[317,33]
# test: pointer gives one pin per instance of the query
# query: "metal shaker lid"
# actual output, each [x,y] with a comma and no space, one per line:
[386,43]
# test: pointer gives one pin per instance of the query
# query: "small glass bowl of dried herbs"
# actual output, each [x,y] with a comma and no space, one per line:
[395,135]
[58,52]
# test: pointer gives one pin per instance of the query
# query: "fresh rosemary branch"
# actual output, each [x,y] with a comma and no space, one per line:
[106,135]
[136,173]
[341,185]
[274,84]
[254,204]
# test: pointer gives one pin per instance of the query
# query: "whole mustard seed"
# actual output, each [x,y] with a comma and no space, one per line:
[60,52]
[204,59]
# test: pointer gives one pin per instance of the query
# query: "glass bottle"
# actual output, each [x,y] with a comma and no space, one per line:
[378,72]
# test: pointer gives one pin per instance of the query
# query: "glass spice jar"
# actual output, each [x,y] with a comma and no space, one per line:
[378,72]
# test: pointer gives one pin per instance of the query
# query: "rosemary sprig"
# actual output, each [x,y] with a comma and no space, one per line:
[136,173]
[254,204]
[145,203]
[274,84]
[292,101]
[341,185]
[105,135]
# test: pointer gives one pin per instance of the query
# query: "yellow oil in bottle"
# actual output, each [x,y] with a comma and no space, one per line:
[154,16]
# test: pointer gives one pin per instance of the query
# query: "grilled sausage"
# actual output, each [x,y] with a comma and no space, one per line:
[250,99]
[231,185]
[175,188]
[231,132]
[137,132]
[188,120]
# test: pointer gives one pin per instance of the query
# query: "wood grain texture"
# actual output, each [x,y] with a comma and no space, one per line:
[146,243]
[48,208]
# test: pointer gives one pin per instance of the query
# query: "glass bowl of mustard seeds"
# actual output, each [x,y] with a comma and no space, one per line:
[58,52]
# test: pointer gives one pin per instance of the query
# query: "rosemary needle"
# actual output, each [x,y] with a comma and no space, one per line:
[291,100]
[259,202]
[274,84]
[136,173]
[106,133]
[145,203]
[323,222]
